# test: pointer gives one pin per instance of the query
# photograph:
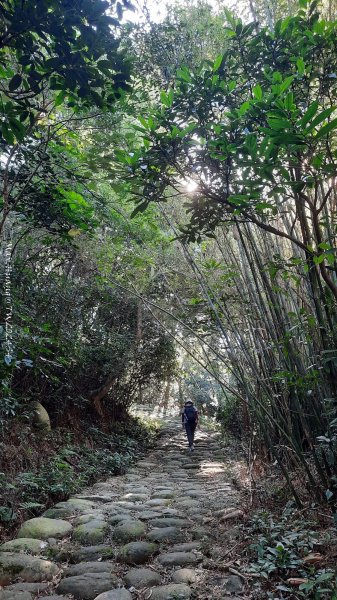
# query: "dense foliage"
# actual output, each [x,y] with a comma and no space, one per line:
[73,337]
[53,55]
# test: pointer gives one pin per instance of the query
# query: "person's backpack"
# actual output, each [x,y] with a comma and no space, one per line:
[190,414]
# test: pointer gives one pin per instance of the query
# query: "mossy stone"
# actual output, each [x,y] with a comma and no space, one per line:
[27,545]
[29,568]
[93,532]
[137,552]
[43,528]
[129,531]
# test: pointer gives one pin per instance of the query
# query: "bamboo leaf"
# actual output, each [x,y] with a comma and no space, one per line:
[311,111]
[320,118]
[326,129]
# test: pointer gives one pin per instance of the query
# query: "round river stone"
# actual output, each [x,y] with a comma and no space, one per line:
[128,531]
[28,545]
[137,552]
[170,522]
[184,576]
[29,568]
[87,586]
[93,532]
[159,534]
[171,559]
[88,567]
[42,528]
[133,497]
[171,591]
[118,594]
[140,578]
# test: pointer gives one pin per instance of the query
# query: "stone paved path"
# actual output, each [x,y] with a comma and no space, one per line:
[158,532]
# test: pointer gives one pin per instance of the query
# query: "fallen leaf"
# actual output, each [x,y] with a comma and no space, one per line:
[313,558]
[296,581]
[235,514]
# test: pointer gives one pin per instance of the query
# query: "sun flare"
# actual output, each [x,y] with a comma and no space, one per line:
[191,185]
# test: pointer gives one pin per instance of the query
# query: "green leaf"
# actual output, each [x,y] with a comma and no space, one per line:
[320,118]
[229,32]
[18,129]
[170,96]
[73,199]
[195,301]
[175,131]
[279,124]
[289,101]
[251,144]
[311,111]
[284,24]
[326,129]
[264,205]
[217,63]
[7,134]
[151,124]
[243,108]
[286,83]
[184,74]
[164,99]
[60,98]
[317,161]
[143,122]
[277,77]
[281,138]
[307,586]
[330,258]
[325,576]
[231,20]
[318,259]
[139,209]
[15,82]
[300,66]
[191,127]
[257,92]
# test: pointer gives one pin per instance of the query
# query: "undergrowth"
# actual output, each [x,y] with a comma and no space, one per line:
[289,557]
[39,469]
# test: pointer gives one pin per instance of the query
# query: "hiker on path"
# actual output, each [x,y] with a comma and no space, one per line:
[190,418]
